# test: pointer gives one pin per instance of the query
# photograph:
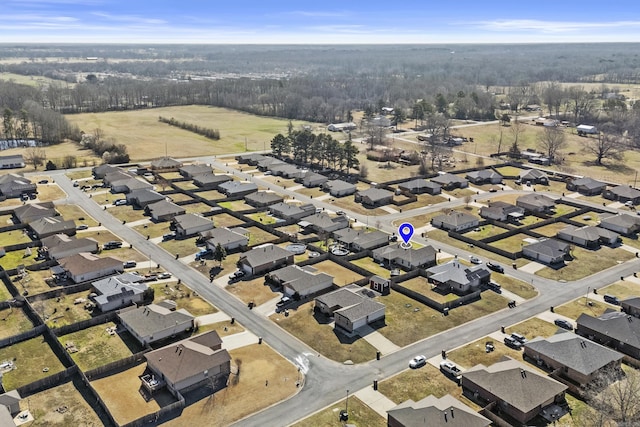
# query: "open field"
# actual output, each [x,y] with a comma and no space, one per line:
[359,415]
[322,337]
[33,360]
[586,262]
[260,365]
[575,308]
[56,154]
[145,136]
[341,276]
[96,347]
[14,322]
[183,296]
[252,290]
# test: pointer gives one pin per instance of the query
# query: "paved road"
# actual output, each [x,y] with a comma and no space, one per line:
[327,381]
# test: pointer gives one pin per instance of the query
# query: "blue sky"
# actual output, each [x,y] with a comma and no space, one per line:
[302,22]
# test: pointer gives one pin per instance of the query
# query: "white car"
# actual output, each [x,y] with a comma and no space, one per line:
[418,362]
[475,260]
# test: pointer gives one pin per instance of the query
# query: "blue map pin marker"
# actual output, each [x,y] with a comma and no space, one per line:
[406,232]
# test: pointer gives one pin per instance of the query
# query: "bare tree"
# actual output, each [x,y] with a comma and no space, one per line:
[551,141]
[35,156]
[614,398]
[517,129]
[579,102]
[552,94]
[605,146]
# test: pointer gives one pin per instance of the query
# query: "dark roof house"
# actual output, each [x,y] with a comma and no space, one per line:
[446,411]
[623,193]
[419,186]
[484,176]
[191,171]
[614,329]
[407,258]
[536,202]
[190,224]
[32,211]
[449,181]
[143,197]
[322,222]
[151,323]
[48,226]
[534,176]
[588,236]
[265,258]
[260,199]
[586,186]
[548,251]
[502,211]
[164,210]
[374,197]
[620,223]
[455,221]
[237,188]
[457,278]
[209,181]
[339,188]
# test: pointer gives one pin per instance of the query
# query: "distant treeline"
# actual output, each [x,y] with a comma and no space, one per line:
[206,132]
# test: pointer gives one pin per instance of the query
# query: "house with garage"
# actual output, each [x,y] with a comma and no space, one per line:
[533,176]
[209,181]
[620,223]
[586,186]
[573,357]
[438,412]
[313,179]
[455,221]
[163,210]
[588,236]
[631,306]
[515,390]
[62,246]
[262,199]
[374,197]
[291,211]
[288,171]
[536,202]
[264,258]
[32,211]
[484,176]
[191,171]
[321,222]
[119,291]
[48,226]
[99,172]
[127,185]
[547,251]
[300,281]
[9,408]
[251,159]
[360,240]
[458,278]
[115,176]
[420,186]
[84,267]
[339,188]
[12,162]
[165,164]
[449,181]
[351,307]
[190,224]
[193,363]
[142,198]
[407,258]
[614,329]
[12,185]
[502,211]
[229,239]
[622,194]
[151,323]
[237,188]
[267,162]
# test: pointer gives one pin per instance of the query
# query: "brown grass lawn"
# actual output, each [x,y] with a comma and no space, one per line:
[180,197]
[31,358]
[127,213]
[507,198]
[183,296]
[311,192]
[622,290]
[575,308]
[10,203]
[34,283]
[532,328]
[262,218]
[183,247]
[56,154]
[511,284]
[421,285]
[341,276]
[224,328]
[563,210]
[153,229]
[509,171]
[145,136]
[186,185]
[322,337]
[120,393]
[511,244]
[359,415]
[97,348]
[235,205]
[589,218]
[247,392]
[485,231]
[62,311]
[44,405]
[371,266]
[76,213]
[105,197]
[252,290]
[79,174]
[634,243]
[225,220]
[474,353]
[197,208]
[13,322]
[416,384]
[13,237]
[50,192]
[550,230]
[4,292]
[349,204]
[258,236]
[408,321]
[126,254]
[586,263]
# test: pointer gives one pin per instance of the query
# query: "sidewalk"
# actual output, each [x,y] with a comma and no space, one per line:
[243,339]
[375,400]
[376,339]
[208,319]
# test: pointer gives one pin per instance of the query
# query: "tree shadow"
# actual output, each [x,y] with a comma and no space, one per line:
[620,168]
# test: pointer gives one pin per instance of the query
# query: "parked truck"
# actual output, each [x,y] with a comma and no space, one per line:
[450,368]
[584,130]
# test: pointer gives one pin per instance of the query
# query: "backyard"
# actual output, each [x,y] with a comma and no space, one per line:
[33,360]
[341,275]
[63,310]
[14,322]
[183,297]
[586,262]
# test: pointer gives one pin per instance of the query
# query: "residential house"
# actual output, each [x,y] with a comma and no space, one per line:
[267,162]
[446,411]
[163,210]
[484,176]
[228,239]
[290,211]
[301,281]
[588,236]
[312,179]
[209,181]
[516,390]
[84,267]
[12,185]
[127,185]
[9,408]
[548,251]
[62,246]
[572,357]
[360,240]
[143,197]
[48,226]
[352,307]
[341,127]
[287,170]
[165,164]
[533,176]
[250,159]
[195,362]
[631,306]
[407,258]
[237,188]
[339,188]
[455,221]
[420,185]
[374,197]
[151,323]
[586,186]
[114,176]
[12,162]
[191,171]
[99,172]
[321,222]
[620,223]
[190,224]
[264,258]
[536,202]
[457,278]
[31,211]
[261,199]
[449,181]
[614,329]
[502,211]
[119,291]
[622,194]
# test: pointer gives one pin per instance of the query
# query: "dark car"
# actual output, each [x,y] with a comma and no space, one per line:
[112,245]
[512,343]
[236,276]
[43,181]
[495,267]
[565,324]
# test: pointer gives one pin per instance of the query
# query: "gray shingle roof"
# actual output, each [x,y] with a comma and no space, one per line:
[149,319]
[614,324]
[456,219]
[549,247]
[446,411]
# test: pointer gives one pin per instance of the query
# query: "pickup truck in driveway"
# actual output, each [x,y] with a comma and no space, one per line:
[450,369]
